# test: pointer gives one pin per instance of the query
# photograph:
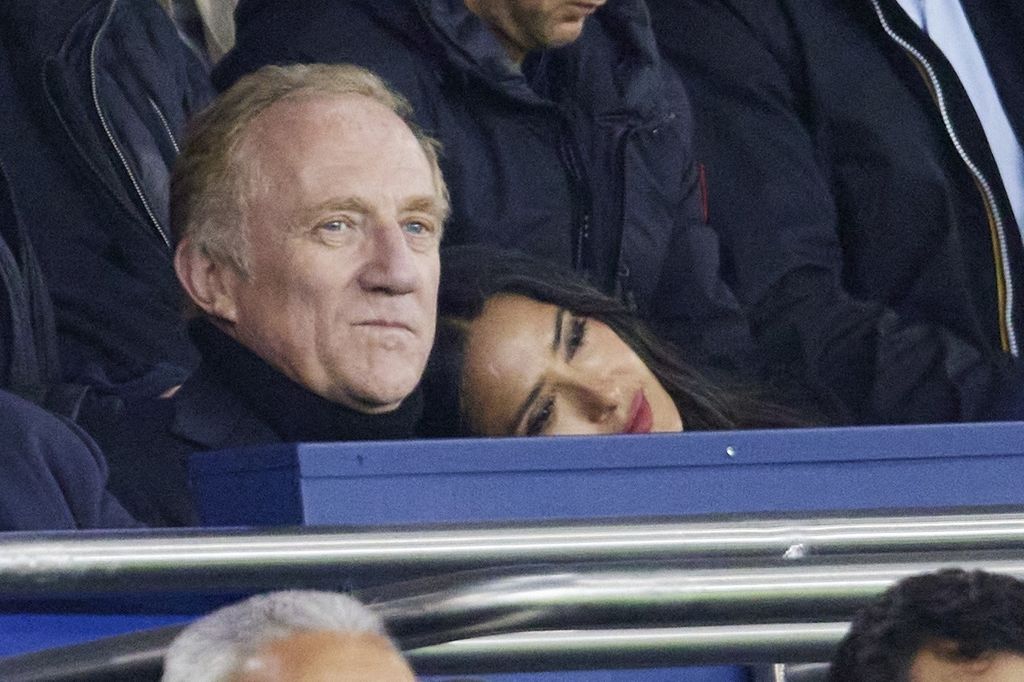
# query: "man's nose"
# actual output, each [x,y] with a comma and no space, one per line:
[390,262]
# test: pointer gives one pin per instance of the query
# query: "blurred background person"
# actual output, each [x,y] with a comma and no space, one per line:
[947,626]
[865,173]
[87,151]
[291,636]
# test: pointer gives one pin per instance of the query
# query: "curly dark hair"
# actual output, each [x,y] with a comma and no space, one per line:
[472,274]
[978,612]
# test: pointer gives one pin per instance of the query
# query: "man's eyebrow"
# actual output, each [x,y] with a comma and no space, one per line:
[423,204]
[523,409]
[357,204]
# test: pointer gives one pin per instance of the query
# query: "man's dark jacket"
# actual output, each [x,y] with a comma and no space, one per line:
[52,475]
[234,399]
[94,95]
[583,157]
[873,244]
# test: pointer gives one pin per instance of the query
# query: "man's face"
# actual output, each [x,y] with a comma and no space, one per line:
[527,25]
[321,656]
[343,234]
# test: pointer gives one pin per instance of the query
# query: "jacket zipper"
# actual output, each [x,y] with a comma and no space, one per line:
[165,124]
[106,126]
[581,194]
[1004,280]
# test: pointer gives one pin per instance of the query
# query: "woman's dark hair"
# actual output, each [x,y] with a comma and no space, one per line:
[472,275]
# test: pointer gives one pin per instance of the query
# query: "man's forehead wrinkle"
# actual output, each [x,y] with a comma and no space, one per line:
[292,121]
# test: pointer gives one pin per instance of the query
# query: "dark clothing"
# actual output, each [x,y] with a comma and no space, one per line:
[94,95]
[53,474]
[876,263]
[28,349]
[29,362]
[234,399]
[583,156]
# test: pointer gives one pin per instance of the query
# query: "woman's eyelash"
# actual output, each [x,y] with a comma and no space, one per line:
[577,333]
[541,417]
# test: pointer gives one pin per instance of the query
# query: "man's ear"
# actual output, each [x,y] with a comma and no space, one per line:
[211,285]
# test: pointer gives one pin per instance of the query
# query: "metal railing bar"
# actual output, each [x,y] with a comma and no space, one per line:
[435,610]
[516,652]
[630,648]
[153,560]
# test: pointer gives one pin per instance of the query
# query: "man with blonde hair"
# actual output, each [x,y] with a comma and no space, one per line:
[308,216]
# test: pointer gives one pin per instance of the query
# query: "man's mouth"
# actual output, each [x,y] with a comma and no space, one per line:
[641,417]
[586,8]
[384,323]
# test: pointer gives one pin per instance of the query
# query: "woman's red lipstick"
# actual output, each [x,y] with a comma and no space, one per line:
[641,417]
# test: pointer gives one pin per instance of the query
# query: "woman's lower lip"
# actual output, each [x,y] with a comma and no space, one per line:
[641,417]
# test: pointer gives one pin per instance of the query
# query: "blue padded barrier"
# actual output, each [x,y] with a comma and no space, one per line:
[612,476]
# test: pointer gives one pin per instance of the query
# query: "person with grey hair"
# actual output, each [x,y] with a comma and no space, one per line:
[288,635]
[308,216]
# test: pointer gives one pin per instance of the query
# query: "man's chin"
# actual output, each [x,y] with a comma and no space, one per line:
[376,401]
[565,33]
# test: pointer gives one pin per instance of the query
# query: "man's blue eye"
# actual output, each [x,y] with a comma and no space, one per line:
[334,226]
[416,227]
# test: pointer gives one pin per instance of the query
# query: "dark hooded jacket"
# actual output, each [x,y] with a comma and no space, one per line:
[94,95]
[583,156]
[863,218]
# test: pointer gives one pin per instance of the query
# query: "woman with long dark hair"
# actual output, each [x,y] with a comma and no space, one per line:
[526,348]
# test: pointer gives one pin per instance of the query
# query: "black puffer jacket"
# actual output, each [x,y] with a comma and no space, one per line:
[583,156]
[876,262]
[95,96]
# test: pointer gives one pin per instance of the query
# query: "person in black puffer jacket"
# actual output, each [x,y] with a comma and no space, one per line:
[863,217]
[94,95]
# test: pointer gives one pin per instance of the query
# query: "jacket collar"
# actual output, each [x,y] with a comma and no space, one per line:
[236,398]
[207,413]
[613,67]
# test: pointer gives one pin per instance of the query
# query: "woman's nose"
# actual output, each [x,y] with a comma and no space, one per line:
[599,399]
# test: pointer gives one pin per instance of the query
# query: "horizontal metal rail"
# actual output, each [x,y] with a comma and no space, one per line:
[631,648]
[460,606]
[599,616]
[141,561]
[139,656]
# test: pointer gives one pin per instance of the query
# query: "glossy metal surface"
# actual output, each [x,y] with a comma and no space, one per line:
[655,595]
[632,648]
[157,560]
[139,656]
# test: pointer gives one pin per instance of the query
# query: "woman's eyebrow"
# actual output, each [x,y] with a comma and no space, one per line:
[558,330]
